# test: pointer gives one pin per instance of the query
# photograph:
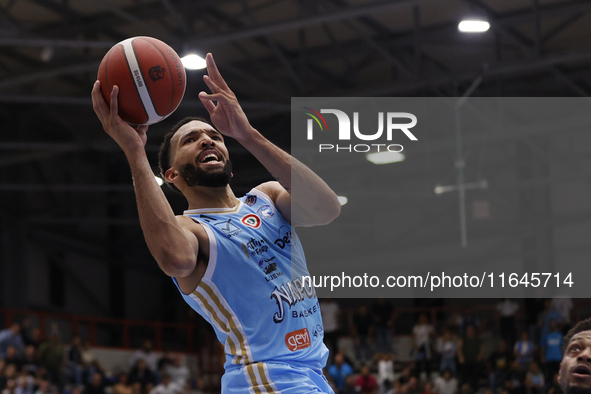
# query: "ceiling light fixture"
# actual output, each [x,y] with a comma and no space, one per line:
[473,26]
[193,62]
[385,157]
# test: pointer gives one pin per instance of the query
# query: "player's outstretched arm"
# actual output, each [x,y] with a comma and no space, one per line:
[170,240]
[321,205]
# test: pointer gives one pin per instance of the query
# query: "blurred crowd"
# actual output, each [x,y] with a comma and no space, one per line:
[516,350]
[30,364]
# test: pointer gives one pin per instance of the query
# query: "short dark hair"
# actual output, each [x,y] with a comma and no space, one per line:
[583,325]
[164,153]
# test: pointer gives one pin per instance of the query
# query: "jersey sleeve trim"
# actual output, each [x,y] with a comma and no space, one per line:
[262,195]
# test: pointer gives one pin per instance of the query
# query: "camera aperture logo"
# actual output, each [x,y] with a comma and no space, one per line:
[394,122]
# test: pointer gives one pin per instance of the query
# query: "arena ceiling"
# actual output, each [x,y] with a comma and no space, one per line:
[65,185]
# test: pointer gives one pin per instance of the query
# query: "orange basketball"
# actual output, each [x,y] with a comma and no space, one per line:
[150,76]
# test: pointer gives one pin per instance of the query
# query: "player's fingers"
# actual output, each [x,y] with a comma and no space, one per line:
[215,88]
[211,84]
[221,97]
[98,102]
[207,102]
[142,129]
[212,70]
[114,101]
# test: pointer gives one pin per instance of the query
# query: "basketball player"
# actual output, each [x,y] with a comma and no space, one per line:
[236,261]
[575,368]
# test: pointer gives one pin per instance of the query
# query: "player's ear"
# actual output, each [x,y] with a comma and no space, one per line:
[171,175]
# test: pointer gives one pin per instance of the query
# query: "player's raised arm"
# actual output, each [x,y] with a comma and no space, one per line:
[170,240]
[322,205]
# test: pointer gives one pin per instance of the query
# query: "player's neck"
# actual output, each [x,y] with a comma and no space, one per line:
[200,197]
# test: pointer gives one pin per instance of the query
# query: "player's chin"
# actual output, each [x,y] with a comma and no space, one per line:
[579,387]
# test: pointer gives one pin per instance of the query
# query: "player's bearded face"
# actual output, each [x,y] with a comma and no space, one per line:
[194,175]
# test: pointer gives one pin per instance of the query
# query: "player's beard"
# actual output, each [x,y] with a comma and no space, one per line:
[194,175]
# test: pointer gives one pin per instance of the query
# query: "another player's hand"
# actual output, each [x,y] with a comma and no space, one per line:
[128,138]
[223,107]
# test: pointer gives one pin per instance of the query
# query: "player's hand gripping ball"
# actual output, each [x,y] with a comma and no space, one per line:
[150,76]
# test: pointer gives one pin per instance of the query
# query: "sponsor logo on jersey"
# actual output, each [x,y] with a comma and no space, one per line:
[266,211]
[250,200]
[318,332]
[251,220]
[290,293]
[297,340]
[269,267]
[228,228]
[257,246]
[285,237]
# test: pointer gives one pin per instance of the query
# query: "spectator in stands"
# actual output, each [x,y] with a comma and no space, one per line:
[405,376]
[429,388]
[466,320]
[9,377]
[516,377]
[547,315]
[551,351]
[498,365]
[13,358]
[166,386]
[414,386]
[31,335]
[331,314]
[2,374]
[30,361]
[11,336]
[524,351]
[564,306]
[446,383]
[366,383]
[363,331]
[554,387]
[349,386]
[145,353]
[470,356]
[178,371]
[536,376]
[122,386]
[25,384]
[163,362]
[91,364]
[141,377]
[385,370]
[96,385]
[51,356]
[506,313]
[339,371]
[44,387]
[422,334]
[74,363]
[383,314]
[447,349]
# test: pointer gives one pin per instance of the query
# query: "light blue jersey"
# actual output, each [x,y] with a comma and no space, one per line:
[253,294]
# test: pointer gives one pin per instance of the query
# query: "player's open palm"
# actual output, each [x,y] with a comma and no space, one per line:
[128,138]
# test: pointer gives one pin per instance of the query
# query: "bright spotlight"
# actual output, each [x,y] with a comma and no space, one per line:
[473,26]
[193,62]
[385,157]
